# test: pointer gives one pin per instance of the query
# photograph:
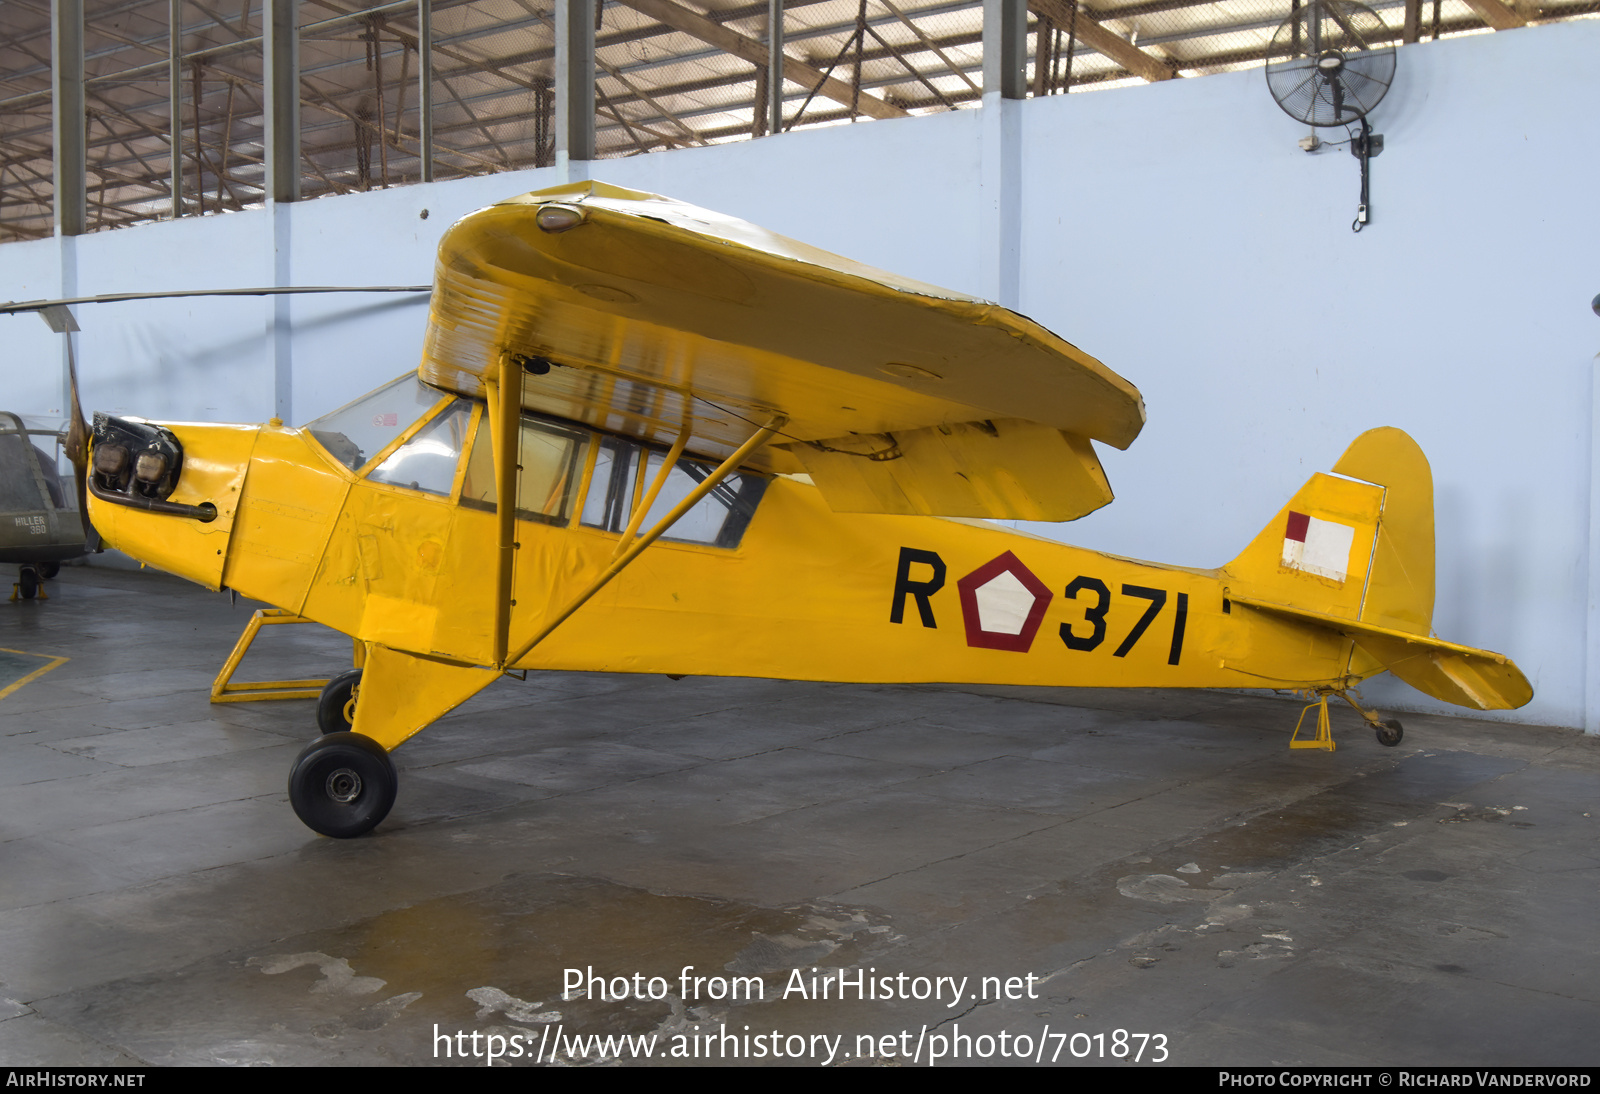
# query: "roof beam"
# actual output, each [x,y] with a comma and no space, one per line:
[616,74]
[643,96]
[1496,14]
[1103,41]
[695,25]
[933,47]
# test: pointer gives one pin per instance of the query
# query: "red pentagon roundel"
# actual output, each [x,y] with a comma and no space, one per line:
[1002,604]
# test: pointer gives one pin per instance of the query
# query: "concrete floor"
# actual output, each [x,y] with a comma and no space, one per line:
[1159,862]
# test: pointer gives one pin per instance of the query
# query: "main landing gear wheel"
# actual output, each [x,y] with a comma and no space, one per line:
[343,785]
[28,582]
[336,706]
[1390,732]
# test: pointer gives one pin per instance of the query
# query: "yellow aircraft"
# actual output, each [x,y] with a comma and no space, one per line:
[645,437]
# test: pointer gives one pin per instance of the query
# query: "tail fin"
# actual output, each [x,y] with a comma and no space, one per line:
[1357,543]
[1353,552]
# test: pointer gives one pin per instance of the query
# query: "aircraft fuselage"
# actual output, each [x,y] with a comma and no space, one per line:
[802,592]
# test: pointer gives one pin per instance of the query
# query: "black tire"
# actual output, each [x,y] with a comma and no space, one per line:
[1390,732]
[28,582]
[343,785]
[48,570]
[335,706]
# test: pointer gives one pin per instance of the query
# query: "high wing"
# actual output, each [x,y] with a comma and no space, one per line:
[895,396]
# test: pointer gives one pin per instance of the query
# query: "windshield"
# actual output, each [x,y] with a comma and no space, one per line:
[428,460]
[358,431]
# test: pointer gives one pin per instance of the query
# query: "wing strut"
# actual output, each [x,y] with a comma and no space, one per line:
[621,561]
[656,484]
[505,411]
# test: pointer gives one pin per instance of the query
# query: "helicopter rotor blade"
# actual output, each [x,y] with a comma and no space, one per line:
[12,307]
[60,320]
[78,442]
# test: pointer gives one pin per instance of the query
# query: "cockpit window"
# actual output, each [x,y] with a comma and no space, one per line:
[358,431]
[428,460]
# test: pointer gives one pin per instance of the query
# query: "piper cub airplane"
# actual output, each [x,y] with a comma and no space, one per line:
[645,437]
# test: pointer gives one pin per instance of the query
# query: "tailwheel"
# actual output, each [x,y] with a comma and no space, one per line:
[1388,731]
[343,785]
[336,706]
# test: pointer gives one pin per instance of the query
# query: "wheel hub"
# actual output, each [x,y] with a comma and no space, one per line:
[344,786]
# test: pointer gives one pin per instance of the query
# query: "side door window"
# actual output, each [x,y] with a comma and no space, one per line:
[552,463]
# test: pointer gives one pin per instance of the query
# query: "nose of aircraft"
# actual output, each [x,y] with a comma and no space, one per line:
[166,493]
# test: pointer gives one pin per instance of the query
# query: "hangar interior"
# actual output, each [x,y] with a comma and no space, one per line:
[1086,176]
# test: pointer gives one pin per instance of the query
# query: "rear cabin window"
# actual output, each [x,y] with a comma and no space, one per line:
[624,470]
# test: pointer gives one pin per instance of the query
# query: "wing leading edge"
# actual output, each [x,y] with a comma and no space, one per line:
[900,397]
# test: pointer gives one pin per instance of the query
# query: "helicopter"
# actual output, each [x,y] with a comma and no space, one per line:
[41,522]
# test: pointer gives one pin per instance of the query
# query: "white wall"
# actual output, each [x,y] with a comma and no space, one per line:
[31,381]
[1178,232]
[1175,231]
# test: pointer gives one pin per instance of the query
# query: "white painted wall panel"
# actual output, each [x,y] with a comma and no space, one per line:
[31,362]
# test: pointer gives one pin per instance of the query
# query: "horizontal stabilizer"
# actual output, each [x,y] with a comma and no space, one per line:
[1461,675]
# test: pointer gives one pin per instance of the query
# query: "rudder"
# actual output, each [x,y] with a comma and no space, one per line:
[1400,587]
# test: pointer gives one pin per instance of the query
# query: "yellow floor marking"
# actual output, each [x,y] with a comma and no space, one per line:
[55,662]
